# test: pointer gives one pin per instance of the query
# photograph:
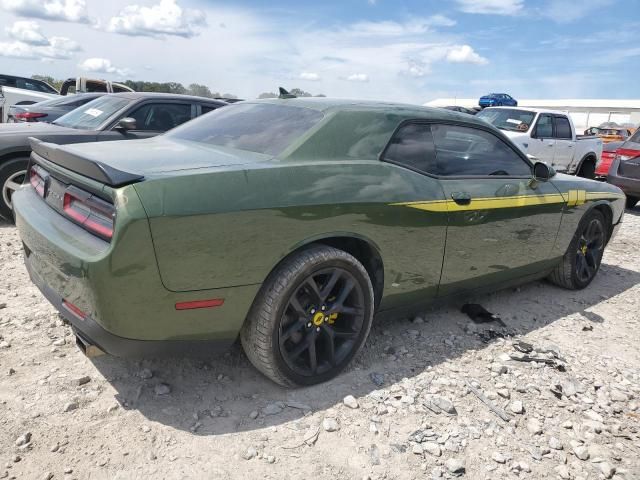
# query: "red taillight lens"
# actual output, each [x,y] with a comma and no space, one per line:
[94,214]
[74,310]
[27,116]
[36,181]
[627,153]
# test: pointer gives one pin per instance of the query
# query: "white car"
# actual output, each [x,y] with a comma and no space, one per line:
[549,136]
[10,96]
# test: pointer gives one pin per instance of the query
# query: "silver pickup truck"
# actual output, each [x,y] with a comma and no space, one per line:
[549,136]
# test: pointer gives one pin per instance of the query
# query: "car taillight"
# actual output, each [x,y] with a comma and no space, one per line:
[626,154]
[36,180]
[27,116]
[92,213]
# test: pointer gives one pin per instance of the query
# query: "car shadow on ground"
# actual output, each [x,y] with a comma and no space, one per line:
[218,396]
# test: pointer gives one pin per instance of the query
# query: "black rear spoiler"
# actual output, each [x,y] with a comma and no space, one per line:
[84,166]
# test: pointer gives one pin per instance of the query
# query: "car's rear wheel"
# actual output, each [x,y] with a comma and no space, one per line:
[632,201]
[310,318]
[12,174]
[581,262]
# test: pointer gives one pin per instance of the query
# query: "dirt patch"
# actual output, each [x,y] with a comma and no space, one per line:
[425,395]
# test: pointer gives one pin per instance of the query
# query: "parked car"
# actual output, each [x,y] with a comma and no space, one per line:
[625,169]
[118,116]
[497,100]
[289,223]
[549,136]
[24,83]
[49,110]
[606,159]
[458,108]
[609,134]
[26,91]
[10,96]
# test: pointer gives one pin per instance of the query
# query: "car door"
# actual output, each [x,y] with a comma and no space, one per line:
[501,225]
[543,143]
[565,146]
[152,118]
[419,224]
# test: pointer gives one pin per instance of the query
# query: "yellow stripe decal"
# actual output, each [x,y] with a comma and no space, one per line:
[573,198]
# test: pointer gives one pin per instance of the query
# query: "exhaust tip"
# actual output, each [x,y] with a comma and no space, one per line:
[90,350]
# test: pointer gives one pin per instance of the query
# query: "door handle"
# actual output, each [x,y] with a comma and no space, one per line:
[461,198]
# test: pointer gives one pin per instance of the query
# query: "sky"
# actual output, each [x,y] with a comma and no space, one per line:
[397,50]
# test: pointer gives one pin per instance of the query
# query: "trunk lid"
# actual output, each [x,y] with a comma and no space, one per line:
[123,162]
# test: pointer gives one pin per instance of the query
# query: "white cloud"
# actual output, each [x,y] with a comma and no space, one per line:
[358,77]
[564,11]
[491,7]
[388,28]
[27,32]
[311,76]
[31,44]
[165,18]
[57,10]
[465,54]
[102,65]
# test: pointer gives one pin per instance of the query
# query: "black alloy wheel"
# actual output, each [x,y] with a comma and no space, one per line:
[590,250]
[322,321]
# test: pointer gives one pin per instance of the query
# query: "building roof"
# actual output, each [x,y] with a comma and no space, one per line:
[559,104]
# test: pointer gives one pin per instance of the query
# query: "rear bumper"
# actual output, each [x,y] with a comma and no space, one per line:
[117,285]
[630,186]
[91,333]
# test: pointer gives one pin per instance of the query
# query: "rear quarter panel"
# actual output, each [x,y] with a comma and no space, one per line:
[231,228]
[583,195]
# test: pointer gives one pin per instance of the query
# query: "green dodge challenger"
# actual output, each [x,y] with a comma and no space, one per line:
[291,223]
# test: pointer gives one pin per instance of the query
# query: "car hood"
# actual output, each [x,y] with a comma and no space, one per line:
[162,154]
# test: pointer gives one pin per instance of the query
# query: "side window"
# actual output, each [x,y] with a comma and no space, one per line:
[160,117]
[472,151]
[119,89]
[92,87]
[563,128]
[412,146]
[544,128]
[207,108]
[7,81]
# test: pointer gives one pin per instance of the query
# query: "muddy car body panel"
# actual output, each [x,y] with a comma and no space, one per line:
[204,222]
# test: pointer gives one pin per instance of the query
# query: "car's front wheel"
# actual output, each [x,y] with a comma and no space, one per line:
[310,318]
[581,262]
[12,174]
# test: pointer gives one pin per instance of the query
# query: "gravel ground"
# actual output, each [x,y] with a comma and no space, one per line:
[407,408]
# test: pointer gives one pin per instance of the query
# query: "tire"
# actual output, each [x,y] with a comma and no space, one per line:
[12,174]
[285,317]
[631,202]
[570,271]
[588,169]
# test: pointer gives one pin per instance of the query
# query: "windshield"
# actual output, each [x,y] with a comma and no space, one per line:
[257,127]
[508,118]
[93,114]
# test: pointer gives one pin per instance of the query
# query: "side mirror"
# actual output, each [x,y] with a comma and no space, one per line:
[542,172]
[126,123]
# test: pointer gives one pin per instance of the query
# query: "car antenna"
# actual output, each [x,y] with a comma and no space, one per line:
[285,94]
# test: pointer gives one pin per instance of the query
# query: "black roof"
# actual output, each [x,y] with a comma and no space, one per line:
[168,96]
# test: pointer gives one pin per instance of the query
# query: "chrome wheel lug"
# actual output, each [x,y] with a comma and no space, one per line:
[318,329]
[309,325]
[313,310]
[323,308]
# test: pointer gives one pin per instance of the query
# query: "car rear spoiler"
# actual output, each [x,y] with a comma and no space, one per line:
[84,166]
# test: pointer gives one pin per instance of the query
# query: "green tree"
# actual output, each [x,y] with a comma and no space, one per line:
[199,90]
[268,95]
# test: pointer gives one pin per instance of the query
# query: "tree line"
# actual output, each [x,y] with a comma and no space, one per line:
[178,88]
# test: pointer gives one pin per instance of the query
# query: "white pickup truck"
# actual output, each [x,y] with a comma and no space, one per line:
[25,91]
[549,136]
